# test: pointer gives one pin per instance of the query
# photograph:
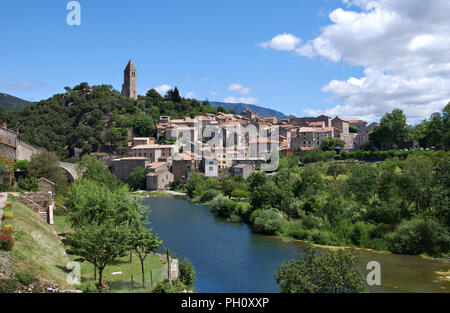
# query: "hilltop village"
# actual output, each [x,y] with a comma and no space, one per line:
[226,144]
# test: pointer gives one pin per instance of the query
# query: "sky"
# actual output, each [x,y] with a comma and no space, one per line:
[357,59]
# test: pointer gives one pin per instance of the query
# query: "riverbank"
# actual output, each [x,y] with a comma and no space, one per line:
[230,257]
[159,193]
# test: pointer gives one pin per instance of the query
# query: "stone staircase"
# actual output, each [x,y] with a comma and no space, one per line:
[39,202]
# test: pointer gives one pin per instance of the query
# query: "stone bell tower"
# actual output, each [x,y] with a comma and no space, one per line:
[129,82]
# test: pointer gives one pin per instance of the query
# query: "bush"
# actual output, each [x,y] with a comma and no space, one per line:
[87,287]
[361,234]
[208,195]
[169,286]
[311,222]
[419,235]
[268,222]
[26,278]
[187,273]
[6,242]
[29,184]
[7,285]
[8,215]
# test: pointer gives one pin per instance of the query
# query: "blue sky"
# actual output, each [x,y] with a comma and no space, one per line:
[202,47]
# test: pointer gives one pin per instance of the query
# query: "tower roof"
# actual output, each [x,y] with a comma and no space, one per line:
[130,66]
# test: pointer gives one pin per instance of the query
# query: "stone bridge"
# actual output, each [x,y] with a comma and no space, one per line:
[70,170]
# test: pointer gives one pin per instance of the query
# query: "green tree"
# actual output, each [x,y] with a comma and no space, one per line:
[393,130]
[239,194]
[326,272]
[114,136]
[137,179]
[93,169]
[329,144]
[100,244]
[46,164]
[144,242]
[187,273]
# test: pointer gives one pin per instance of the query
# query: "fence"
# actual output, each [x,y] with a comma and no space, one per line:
[134,283]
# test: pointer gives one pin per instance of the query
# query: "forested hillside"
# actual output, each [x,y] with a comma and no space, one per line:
[88,119]
[11,103]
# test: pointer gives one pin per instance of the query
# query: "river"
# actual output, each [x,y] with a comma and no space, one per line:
[230,258]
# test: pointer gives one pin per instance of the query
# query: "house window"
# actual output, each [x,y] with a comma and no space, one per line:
[211,168]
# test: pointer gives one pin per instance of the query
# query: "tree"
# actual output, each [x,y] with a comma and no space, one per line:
[46,164]
[393,130]
[329,144]
[239,194]
[93,169]
[326,272]
[143,241]
[353,129]
[114,135]
[99,244]
[137,179]
[143,125]
[174,95]
[187,273]
[169,286]
[221,108]
[89,202]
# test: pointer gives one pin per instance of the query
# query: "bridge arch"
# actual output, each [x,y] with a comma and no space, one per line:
[70,170]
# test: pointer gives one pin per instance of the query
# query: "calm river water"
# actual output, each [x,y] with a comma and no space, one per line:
[230,258]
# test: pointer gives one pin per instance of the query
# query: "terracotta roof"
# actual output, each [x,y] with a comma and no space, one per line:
[156,165]
[152,146]
[131,158]
[241,165]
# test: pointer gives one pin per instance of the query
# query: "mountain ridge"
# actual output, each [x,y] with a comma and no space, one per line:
[241,107]
[11,103]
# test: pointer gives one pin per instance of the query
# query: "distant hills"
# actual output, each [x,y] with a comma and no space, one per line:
[11,103]
[241,107]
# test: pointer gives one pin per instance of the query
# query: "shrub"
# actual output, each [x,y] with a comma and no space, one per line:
[7,285]
[169,286]
[8,215]
[310,222]
[268,222]
[419,235]
[87,287]
[187,273]
[6,242]
[26,278]
[29,184]
[361,234]
[208,195]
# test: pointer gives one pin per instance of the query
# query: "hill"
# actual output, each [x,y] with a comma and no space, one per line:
[38,257]
[11,103]
[88,119]
[241,107]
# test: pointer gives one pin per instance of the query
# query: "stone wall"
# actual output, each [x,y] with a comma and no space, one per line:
[40,202]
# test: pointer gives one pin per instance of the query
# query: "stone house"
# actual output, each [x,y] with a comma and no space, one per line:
[12,147]
[158,176]
[210,166]
[244,170]
[124,166]
[46,185]
[183,164]
[154,152]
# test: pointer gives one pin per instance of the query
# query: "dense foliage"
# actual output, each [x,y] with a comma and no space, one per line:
[401,205]
[326,272]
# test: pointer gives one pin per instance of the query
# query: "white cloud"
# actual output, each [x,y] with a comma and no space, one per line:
[282,42]
[213,93]
[190,95]
[247,100]
[403,45]
[163,89]
[26,85]
[240,89]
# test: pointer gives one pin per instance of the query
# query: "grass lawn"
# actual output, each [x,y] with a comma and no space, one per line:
[120,282]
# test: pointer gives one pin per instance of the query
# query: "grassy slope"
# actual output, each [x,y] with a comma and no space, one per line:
[37,248]
[119,283]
